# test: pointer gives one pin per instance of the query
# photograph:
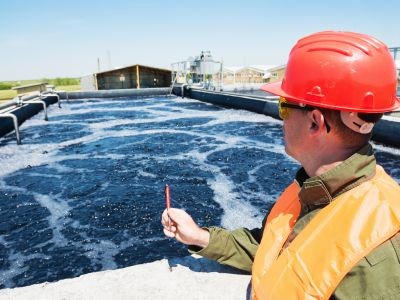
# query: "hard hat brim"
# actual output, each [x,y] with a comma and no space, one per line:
[275,88]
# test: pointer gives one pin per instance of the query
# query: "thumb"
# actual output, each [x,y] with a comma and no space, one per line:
[175,214]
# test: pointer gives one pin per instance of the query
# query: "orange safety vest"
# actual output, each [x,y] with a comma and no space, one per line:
[335,240]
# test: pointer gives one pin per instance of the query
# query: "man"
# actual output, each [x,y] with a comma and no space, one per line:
[334,232]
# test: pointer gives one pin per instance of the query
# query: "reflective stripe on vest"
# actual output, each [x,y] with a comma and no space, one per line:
[335,240]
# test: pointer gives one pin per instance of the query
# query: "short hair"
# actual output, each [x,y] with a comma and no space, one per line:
[349,137]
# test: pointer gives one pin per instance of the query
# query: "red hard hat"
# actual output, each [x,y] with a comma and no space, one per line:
[340,70]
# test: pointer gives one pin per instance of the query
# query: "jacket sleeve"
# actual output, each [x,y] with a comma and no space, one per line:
[235,248]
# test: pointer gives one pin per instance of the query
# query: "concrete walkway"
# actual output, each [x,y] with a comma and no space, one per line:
[190,277]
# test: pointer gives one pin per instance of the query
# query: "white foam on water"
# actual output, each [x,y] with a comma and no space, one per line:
[14,157]
[237,210]
[237,213]
[386,149]
[253,179]
[146,174]
[17,267]
[102,253]
[58,210]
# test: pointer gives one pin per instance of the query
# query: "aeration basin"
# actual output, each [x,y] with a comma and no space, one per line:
[84,192]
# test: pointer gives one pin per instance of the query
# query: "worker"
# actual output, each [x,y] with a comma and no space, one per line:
[334,232]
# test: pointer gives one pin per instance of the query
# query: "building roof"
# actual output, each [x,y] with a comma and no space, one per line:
[258,68]
[263,68]
[131,66]
[232,69]
[277,68]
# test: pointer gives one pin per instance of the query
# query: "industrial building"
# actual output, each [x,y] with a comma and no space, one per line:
[277,73]
[196,70]
[131,77]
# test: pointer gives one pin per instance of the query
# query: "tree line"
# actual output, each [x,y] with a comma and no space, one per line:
[59,81]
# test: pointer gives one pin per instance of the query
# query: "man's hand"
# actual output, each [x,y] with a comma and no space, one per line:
[180,225]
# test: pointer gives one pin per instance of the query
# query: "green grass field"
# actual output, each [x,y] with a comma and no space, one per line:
[9,94]
[68,88]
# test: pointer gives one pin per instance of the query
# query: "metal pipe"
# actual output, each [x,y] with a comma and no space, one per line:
[183,90]
[172,86]
[58,99]
[44,107]
[51,94]
[8,104]
[16,127]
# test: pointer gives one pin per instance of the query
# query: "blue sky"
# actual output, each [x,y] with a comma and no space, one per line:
[64,38]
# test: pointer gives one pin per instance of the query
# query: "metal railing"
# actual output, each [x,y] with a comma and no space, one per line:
[7,109]
[15,122]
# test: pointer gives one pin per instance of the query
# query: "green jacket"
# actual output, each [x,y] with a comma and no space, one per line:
[376,276]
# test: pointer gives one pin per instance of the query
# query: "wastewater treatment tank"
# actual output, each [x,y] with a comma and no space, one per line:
[84,192]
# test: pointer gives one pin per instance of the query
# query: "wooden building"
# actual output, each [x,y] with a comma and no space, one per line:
[131,77]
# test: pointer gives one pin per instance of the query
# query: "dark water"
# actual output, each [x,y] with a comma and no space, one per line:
[84,192]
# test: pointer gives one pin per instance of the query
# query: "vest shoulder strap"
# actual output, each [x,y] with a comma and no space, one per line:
[280,222]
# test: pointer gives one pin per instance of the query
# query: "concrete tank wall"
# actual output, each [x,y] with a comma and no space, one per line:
[116,93]
[386,131]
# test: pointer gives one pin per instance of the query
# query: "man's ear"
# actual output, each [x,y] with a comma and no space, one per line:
[317,124]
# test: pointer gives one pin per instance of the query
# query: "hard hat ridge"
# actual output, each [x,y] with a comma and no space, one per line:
[340,70]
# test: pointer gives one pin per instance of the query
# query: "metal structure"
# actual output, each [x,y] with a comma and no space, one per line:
[201,70]
[35,87]
[394,50]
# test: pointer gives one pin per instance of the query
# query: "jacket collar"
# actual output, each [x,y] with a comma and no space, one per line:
[320,190]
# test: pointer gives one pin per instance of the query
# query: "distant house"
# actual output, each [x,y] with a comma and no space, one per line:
[229,75]
[277,73]
[131,77]
[253,74]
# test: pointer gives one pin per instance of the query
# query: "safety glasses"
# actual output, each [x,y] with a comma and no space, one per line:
[284,105]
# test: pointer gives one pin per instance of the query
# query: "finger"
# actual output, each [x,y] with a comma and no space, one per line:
[165,218]
[172,228]
[175,214]
[169,233]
